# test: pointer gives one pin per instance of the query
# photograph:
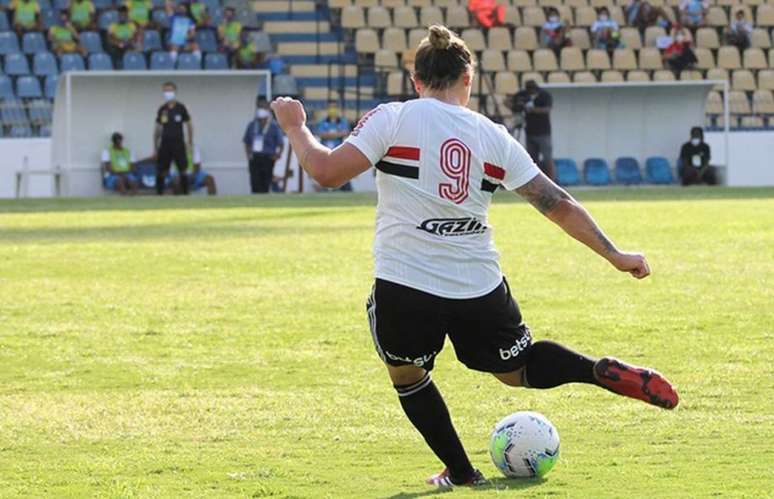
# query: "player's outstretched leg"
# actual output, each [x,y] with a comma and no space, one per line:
[425,408]
[636,382]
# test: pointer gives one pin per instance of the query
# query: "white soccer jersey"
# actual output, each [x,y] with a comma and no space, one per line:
[438,165]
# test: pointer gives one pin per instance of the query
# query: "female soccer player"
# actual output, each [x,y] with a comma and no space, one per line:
[436,267]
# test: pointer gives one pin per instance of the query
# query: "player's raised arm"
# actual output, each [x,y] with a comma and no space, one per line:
[328,167]
[562,209]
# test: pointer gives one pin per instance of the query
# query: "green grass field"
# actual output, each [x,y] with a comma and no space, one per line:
[219,348]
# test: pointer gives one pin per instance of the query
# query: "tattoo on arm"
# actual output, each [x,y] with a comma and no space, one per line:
[607,244]
[542,193]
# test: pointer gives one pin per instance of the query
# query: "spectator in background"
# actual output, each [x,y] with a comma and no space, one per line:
[63,36]
[332,130]
[200,14]
[82,15]
[740,31]
[275,63]
[123,36]
[536,105]
[695,158]
[230,34]
[197,177]
[487,13]
[679,55]
[263,147]
[553,35]
[118,167]
[248,57]
[169,141]
[26,16]
[182,30]
[693,13]
[605,31]
[140,13]
[642,15]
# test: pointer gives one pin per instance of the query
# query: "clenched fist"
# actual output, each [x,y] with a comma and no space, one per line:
[633,263]
[289,112]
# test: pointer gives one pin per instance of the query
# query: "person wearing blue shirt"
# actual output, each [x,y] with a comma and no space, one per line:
[332,130]
[182,29]
[264,143]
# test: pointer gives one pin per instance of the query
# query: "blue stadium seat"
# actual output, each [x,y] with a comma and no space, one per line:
[135,61]
[151,41]
[100,62]
[158,4]
[33,42]
[61,4]
[103,4]
[216,16]
[44,63]
[91,41]
[596,171]
[6,87]
[71,62]
[206,40]
[161,61]
[20,132]
[45,131]
[9,44]
[12,112]
[4,24]
[215,61]
[160,18]
[50,86]
[211,4]
[658,171]
[107,18]
[16,64]
[627,171]
[567,172]
[48,17]
[189,62]
[28,87]
[45,4]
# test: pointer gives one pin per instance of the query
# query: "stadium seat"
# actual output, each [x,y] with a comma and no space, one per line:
[650,59]
[379,17]
[457,17]
[492,60]
[9,44]
[705,58]
[761,38]
[653,33]
[395,83]
[33,42]
[637,75]
[49,17]
[512,16]
[766,79]
[100,62]
[394,39]
[763,102]
[567,173]
[738,103]
[708,38]
[627,171]
[61,4]
[430,15]
[534,76]
[559,77]
[533,17]
[366,41]
[474,39]
[525,38]
[44,63]
[718,74]
[596,172]
[4,24]
[506,83]
[765,15]
[716,17]
[215,61]
[499,38]
[743,79]
[91,41]
[585,16]
[405,17]
[751,122]
[106,18]
[631,38]
[597,60]
[658,171]
[714,103]
[71,62]
[624,59]
[386,60]
[261,40]
[160,18]
[206,40]
[755,58]
[16,64]
[161,61]
[20,132]
[285,85]
[584,77]
[690,75]
[28,87]
[6,87]
[50,86]
[611,76]
[393,4]
[151,41]
[580,38]
[188,62]
[571,59]
[366,3]
[518,60]
[544,60]
[663,75]
[134,61]
[103,4]
[415,36]
[728,58]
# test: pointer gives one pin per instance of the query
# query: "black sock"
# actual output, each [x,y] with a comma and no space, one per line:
[184,182]
[425,408]
[160,178]
[550,364]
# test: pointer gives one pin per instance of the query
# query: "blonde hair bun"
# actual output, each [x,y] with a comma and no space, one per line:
[439,37]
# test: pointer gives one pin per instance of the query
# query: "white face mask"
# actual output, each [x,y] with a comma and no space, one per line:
[169,96]
[261,114]
[696,142]
[680,38]
[554,19]
[603,17]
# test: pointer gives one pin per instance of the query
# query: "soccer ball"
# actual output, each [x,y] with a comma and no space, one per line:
[524,444]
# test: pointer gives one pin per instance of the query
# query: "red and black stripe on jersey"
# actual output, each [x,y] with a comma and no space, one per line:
[401,161]
[494,172]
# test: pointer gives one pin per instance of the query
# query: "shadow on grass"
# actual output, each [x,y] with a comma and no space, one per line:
[498,484]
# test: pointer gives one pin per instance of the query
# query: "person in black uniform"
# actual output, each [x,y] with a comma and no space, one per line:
[169,140]
[535,104]
[695,165]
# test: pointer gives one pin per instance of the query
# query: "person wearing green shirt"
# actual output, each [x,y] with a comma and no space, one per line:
[63,36]
[140,12]
[82,14]
[230,33]
[118,167]
[123,36]
[200,15]
[26,16]
[248,57]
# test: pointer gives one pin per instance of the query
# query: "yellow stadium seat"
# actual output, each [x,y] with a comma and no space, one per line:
[707,37]
[637,76]
[650,59]
[765,16]
[690,75]
[584,77]
[506,82]
[714,103]
[407,59]
[738,103]
[550,3]
[415,36]
[430,15]
[457,17]
[352,17]
[533,17]
[611,76]
[652,33]
[751,122]
[565,13]
[602,3]
[663,75]
[366,41]
[631,38]
[571,59]
[544,60]
[728,58]
[512,16]
[394,39]
[743,79]
[386,59]
[585,16]
[733,121]
[755,58]
[766,79]
[339,4]
[525,38]
[366,3]
[499,38]
[597,60]
[445,4]
[705,58]
[474,38]
[558,77]
[624,59]
[617,15]
[763,102]
[760,38]
[524,3]
[492,60]
[519,61]
[393,4]
[717,74]
[576,3]
[395,83]
[536,77]
[419,3]
[379,17]
[716,17]
[405,17]
[580,38]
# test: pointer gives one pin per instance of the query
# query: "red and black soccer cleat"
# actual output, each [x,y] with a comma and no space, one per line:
[443,480]
[636,382]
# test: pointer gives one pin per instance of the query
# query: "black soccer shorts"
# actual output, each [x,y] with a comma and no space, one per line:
[409,326]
